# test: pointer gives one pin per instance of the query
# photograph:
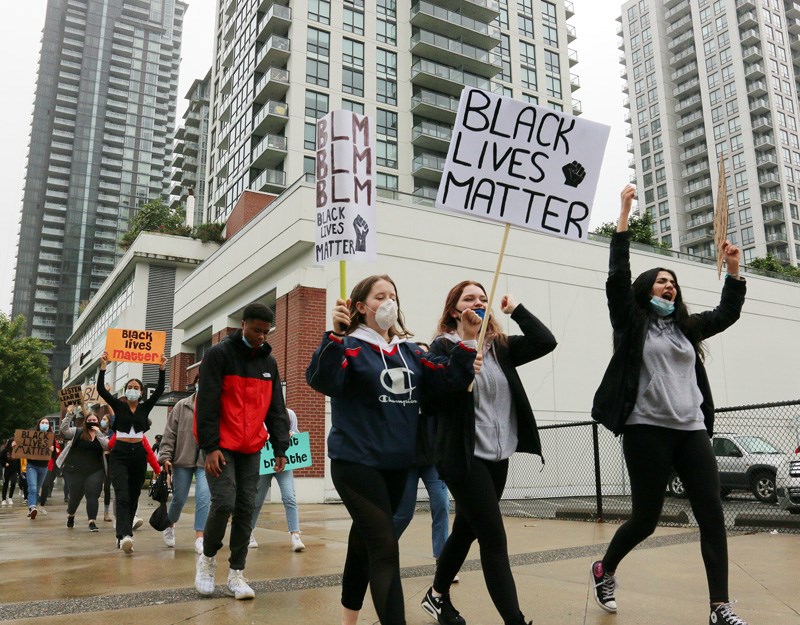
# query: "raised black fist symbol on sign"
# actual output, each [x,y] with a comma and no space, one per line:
[574,173]
[361,227]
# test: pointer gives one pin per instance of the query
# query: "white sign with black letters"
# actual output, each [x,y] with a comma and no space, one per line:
[522,164]
[345,188]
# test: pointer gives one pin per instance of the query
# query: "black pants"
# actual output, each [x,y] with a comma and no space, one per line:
[9,479]
[106,490]
[650,454]
[47,486]
[88,484]
[478,517]
[233,493]
[127,464]
[371,496]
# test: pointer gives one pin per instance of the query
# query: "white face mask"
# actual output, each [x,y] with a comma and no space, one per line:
[386,315]
[132,394]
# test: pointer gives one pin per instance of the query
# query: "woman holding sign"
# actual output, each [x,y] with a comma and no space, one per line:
[128,459]
[376,378]
[477,433]
[36,470]
[655,392]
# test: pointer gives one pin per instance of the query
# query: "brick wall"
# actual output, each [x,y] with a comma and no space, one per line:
[300,320]
[178,376]
[218,336]
[249,204]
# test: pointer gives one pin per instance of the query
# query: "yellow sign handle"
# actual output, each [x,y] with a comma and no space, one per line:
[343,280]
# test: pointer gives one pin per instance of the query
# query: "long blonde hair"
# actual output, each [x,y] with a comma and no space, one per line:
[449,324]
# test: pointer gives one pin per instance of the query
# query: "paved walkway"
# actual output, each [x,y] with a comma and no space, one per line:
[53,575]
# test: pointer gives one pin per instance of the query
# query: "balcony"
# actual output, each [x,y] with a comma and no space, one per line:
[700,220]
[271,119]
[764,142]
[684,8]
[572,57]
[762,124]
[793,25]
[276,21]
[689,104]
[697,186]
[690,120]
[432,75]
[442,49]
[750,37]
[690,138]
[776,237]
[697,236]
[792,9]
[428,16]
[687,70]
[275,52]
[696,169]
[757,88]
[771,198]
[751,54]
[748,20]
[754,71]
[269,151]
[774,216]
[759,106]
[431,136]
[681,26]
[702,203]
[273,85]
[766,161]
[428,167]
[681,42]
[434,105]
[692,86]
[574,82]
[769,180]
[270,181]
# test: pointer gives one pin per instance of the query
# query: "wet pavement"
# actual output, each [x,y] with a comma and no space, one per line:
[50,574]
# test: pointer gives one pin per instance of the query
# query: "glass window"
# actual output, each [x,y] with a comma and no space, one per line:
[386,63]
[386,32]
[355,107]
[353,21]
[387,91]
[316,104]
[353,81]
[528,76]
[310,136]
[387,123]
[317,72]
[319,11]
[387,154]
[319,42]
[353,53]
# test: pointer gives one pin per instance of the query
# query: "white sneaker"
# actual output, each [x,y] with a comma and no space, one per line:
[5,502]
[169,536]
[253,544]
[10,501]
[137,522]
[42,510]
[297,544]
[126,544]
[238,586]
[198,545]
[205,570]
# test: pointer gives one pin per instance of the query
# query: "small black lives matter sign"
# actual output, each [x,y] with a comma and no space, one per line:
[522,164]
[345,188]
[33,444]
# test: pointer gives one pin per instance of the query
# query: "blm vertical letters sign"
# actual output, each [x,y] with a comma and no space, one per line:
[345,188]
[522,164]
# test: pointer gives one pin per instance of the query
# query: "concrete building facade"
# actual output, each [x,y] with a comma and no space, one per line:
[708,78]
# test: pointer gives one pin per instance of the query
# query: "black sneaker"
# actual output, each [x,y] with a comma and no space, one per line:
[723,615]
[604,587]
[93,527]
[70,521]
[442,609]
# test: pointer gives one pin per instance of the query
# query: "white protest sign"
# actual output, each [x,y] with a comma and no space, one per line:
[522,164]
[345,188]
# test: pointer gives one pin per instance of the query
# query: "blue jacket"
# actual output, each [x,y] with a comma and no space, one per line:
[375,393]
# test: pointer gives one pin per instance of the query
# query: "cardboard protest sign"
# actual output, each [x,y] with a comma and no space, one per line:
[298,456]
[70,396]
[522,164]
[721,215]
[33,444]
[345,188]
[91,396]
[145,346]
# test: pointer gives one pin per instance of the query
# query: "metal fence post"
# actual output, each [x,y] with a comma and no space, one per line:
[598,489]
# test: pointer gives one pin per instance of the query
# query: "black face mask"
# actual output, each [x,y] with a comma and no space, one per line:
[90,424]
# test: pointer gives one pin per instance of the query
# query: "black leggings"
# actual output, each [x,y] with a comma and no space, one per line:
[478,516]
[127,465]
[9,479]
[371,496]
[650,454]
[88,484]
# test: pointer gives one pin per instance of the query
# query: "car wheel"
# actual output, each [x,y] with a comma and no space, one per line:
[724,492]
[676,488]
[764,487]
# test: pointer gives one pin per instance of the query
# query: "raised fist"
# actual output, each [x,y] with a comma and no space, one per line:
[574,173]
[361,227]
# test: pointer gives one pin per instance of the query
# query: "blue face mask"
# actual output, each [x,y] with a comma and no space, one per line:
[662,307]
[44,427]
[246,342]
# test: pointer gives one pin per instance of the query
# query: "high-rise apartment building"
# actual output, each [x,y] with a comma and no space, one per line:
[707,78]
[103,116]
[280,66]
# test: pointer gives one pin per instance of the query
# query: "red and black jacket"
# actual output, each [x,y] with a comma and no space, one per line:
[240,401]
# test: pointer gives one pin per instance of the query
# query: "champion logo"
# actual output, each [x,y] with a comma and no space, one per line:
[266,375]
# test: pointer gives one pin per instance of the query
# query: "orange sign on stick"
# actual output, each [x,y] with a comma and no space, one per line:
[144,346]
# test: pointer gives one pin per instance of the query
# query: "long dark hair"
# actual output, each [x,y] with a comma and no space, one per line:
[360,293]
[142,388]
[448,323]
[642,292]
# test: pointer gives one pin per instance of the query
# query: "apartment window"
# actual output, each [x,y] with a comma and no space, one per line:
[386,32]
[387,91]
[665,226]
[663,208]
[386,154]
[502,19]
[527,53]
[719,131]
[353,81]
[530,98]
[744,216]
[648,196]
[553,85]
[317,72]
[747,236]
[353,21]
[310,136]
[387,123]
[309,165]
[549,34]
[387,8]
[355,107]
[353,53]
[528,75]
[731,220]
[732,107]
[725,56]
[525,25]
[740,179]
[386,63]
[316,104]
[552,62]
[661,191]
[387,181]
[658,143]
[646,163]
[738,161]
[319,11]
[648,179]
[736,143]
[555,106]
[501,89]
[729,90]
[549,12]
[667,240]
[661,175]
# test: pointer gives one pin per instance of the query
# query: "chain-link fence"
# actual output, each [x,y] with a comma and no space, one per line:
[584,475]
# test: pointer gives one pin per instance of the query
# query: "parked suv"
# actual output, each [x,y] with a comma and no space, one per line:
[745,463]
[788,483]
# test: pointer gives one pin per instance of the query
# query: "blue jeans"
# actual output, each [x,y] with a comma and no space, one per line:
[36,476]
[439,501]
[181,482]
[286,484]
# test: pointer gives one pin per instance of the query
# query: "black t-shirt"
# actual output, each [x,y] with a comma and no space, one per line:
[85,456]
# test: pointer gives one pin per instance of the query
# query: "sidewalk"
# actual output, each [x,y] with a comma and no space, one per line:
[51,575]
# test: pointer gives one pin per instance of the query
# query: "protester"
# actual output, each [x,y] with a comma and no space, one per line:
[375,378]
[477,432]
[285,481]
[182,459]
[53,472]
[655,392]
[11,471]
[239,405]
[83,461]
[36,470]
[105,414]
[157,444]
[128,458]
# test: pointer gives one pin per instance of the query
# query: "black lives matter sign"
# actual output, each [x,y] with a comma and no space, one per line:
[522,164]
[33,444]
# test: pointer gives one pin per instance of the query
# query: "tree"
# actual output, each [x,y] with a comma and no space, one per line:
[770,263]
[640,227]
[26,393]
[155,216]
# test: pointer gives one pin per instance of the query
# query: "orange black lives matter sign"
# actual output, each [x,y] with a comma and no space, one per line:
[144,346]
[33,444]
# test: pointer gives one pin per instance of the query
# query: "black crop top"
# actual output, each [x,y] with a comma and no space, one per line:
[124,419]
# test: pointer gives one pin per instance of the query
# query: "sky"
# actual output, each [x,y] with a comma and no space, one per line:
[20,34]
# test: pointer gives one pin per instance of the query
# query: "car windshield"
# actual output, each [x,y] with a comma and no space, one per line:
[756,445]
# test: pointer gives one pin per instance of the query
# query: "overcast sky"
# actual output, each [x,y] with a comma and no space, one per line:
[20,35]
